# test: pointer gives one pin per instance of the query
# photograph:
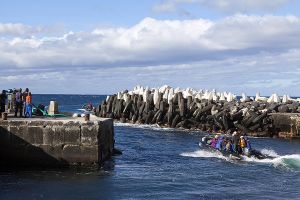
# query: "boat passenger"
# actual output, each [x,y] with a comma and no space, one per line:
[243,143]
[90,106]
[219,143]
[235,141]
[248,143]
[224,143]
[214,142]
[229,147]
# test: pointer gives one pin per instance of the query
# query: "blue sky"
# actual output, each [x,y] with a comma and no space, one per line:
[83,15]
[101,47]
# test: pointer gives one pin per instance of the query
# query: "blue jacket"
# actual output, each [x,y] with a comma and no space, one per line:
[219,143]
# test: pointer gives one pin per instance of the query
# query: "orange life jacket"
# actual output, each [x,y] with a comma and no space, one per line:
[29,99]
[243,143]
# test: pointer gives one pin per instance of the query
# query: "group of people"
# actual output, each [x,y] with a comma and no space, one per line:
[20,102]
[235,144]
[3,99]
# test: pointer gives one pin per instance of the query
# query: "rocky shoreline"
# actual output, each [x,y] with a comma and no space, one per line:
[201,110]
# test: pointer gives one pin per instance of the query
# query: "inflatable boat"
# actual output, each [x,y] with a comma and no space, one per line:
[205,143]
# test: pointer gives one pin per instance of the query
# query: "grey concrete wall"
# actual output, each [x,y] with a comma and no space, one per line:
[286,125]
[55,142]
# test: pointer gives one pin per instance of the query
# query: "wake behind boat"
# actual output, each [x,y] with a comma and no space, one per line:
[232,147]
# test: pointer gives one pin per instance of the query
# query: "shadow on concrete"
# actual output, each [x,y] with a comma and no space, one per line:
[16,153]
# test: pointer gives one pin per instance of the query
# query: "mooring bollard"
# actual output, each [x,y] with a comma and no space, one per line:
[4,116]
[87,117]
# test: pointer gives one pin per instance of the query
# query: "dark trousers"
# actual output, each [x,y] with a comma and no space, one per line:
[2,107]
[19,107]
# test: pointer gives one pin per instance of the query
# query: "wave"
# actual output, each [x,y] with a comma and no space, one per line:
[156,127]
[143,126]
[290,162]
[204,154]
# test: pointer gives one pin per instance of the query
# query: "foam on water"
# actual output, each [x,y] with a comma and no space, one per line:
[291,162]
[143,126]
[269,152]
[204,154]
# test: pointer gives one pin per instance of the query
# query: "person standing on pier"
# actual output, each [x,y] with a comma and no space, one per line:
[3,98]
[28,105]
[24,95]
[19,103]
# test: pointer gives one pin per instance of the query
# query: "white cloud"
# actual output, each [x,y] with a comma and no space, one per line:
[14,29]
[233,6]
[233,53]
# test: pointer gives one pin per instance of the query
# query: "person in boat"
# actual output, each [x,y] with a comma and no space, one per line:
[219,142]
[243,145]
[228,146]
[213,141]
[247,149]
[90,106]
[235,141]
[248,143]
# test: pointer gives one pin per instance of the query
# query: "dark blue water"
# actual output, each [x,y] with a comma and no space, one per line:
[68,103]
[163,164]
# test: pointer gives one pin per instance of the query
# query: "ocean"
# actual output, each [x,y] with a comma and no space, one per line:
[161,163]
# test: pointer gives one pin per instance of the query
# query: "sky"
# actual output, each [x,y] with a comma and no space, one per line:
[102,47]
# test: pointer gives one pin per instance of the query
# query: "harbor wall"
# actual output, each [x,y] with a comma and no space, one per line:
[286,125]
[50,142]
[254,118]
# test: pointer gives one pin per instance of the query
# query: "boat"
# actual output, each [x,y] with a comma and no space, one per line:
[205,143]
[88,108]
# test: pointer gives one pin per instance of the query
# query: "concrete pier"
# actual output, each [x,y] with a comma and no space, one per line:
[55,142]
[286,125]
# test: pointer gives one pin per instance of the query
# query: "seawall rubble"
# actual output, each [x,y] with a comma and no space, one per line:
[204,110]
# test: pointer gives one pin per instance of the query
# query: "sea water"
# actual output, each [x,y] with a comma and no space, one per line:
[161,164]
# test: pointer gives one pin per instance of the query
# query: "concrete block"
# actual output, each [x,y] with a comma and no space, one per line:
[89,154]
[17,123]
[3,123]
[57,135]
[48,135]
[18,131]
[45,147]
[54,142]
[53,108]
[71,135]
[89,134]
[72,153]
[54,151]
[34,135]
[72,123]
[36,123]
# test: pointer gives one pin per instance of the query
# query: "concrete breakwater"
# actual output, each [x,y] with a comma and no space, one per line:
[55,142]
[204,110]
